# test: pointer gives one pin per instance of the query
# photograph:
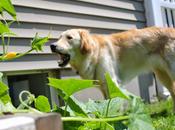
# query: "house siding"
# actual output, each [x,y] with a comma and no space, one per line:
[55,16]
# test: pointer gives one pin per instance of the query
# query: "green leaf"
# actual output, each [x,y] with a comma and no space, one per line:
[4,96]
[114,90]
[4,28]
[76,107]
[107,126]
[70,86]
[117,107]
[6,107]
[38,42]
[61,110]
[5,100]
[1,9]
[42,104]
[140,122]
[7,6]
[139,119]
[90,126]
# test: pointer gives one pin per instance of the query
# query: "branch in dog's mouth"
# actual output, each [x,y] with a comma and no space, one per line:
[64,59]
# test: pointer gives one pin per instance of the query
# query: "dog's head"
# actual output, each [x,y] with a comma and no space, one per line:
[70,44]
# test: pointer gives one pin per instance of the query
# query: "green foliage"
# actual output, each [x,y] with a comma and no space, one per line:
[42,104]
[160,108]
[5,100]
[6,5]
[38,42]
[139,119]
[6,107]
[117,107]
[4,97]
[4,28]
[122,113]
[76,107]
[70,86]
[164,122]
[114,90]
[161,113]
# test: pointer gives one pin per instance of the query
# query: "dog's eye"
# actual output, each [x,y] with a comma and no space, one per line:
[69,37]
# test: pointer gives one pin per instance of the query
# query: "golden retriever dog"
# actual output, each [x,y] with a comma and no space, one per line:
[123,55]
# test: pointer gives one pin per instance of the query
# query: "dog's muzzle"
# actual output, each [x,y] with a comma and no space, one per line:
[64,58]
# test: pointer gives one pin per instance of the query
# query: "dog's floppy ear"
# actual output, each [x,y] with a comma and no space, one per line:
[85,46]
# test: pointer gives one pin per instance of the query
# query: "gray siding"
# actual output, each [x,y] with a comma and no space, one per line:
[55,16]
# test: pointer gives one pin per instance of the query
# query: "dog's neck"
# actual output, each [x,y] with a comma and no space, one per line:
[85,64]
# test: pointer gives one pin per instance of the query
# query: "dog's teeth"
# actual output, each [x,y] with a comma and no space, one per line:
[60,61]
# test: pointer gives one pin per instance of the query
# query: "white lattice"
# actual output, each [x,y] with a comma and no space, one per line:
[168,12]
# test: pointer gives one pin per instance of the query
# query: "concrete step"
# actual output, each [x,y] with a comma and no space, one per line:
[50,121]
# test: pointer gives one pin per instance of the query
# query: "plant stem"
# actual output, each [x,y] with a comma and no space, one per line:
[120,118]
[21,106]
[27,106]
[107,109]
[22,54]
[8,43]
[18,56]
[3,44]
[65,110]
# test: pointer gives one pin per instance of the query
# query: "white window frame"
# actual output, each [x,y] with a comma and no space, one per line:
[154,14]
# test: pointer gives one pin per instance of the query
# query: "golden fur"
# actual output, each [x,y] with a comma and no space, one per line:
[124,55]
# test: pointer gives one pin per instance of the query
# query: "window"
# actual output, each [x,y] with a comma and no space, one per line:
[35,83]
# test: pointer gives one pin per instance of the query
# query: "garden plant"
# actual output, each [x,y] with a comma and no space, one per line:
[122,111]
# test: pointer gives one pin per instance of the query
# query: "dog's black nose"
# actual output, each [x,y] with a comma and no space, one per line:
[53,47]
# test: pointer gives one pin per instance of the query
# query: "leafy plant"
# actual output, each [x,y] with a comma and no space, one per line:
[5,32]
[121,114]
[70,86]
[114,90]
[104,114]
[5,100]
[6,5]
[36,44]
[42,104]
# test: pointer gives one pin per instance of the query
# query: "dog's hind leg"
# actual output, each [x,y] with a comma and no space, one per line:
[167,81]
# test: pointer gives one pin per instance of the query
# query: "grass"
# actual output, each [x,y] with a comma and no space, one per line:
[161,114]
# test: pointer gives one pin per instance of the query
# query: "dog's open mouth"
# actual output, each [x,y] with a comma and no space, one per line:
[64,59]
